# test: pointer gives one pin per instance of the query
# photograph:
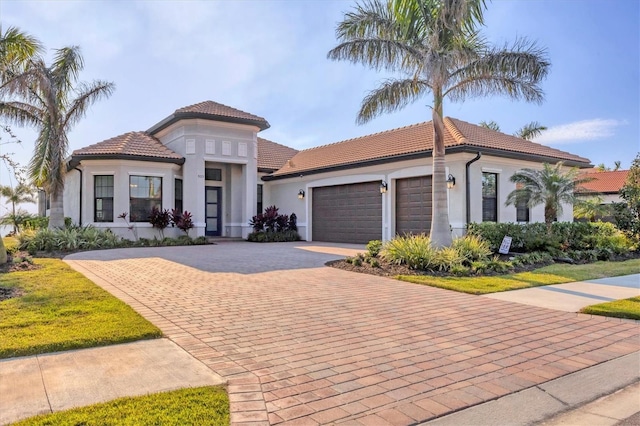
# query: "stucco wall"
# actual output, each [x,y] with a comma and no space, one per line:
[283,193]
[206,143]
[120,170]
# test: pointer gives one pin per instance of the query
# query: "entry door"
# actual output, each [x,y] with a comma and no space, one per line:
[213,212]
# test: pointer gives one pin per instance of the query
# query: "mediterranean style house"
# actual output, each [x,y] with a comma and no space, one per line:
[207,159]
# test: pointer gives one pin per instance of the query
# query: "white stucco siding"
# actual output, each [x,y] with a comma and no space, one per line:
[121,170]
[228,146]
[71,196]
[283,192]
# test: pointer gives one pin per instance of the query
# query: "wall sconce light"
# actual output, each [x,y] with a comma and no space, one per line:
[383,187]
[451,181]
[301,194]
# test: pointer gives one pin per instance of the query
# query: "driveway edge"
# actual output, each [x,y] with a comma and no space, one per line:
[541,402]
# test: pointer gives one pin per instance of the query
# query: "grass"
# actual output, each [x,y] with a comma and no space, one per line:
[192,406]
[60,309]
[552,274]
[625,308]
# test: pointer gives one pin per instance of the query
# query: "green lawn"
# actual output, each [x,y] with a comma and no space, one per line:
[60,309]
[552,274]
[191,406]
[625,308]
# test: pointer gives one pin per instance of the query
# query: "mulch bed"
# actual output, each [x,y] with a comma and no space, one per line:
[14,266]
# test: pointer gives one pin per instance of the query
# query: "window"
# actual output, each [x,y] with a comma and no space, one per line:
[213,174]
[489,197]
[145,193]
[259,207]
[522,209]
[103,198]
[177,203]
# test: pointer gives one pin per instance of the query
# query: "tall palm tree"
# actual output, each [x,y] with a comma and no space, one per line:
[22,193]
[550,186]
[51,99]
[435,47]
[16,49]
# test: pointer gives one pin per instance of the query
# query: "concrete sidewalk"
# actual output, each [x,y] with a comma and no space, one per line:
[572,297]
[591,396]
[53,382]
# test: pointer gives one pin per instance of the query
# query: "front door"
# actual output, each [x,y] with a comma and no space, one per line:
[213,212]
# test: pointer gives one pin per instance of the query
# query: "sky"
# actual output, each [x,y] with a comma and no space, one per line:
[268,57]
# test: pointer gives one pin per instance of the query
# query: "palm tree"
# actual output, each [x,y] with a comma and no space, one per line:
[51,99]
[491,125]
[550,186]
[16,49]
[435,47]
[22,193]
[528,131]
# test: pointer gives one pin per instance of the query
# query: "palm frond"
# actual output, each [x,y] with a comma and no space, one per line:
[530,131]
[66,67]
[392,95]
[20,113]
[516,72]
[491,125]
[378,54]
[88,95]
[17,47]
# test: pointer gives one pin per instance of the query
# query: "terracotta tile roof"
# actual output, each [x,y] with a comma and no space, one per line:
[134,144]
[415,139]
[603,182]
[212,111]
[272,156]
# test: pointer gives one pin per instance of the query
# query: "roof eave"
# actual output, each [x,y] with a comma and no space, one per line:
[177,116]
[426,154]
[75,160]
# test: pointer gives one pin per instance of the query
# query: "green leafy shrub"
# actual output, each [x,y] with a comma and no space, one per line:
[374,247]
[34,223]
[460,270]
[356,261]
[533,237]
[448,257]
[273,236]
[472,247]
[375,263]
[479,266]
[415,251]
[498,266]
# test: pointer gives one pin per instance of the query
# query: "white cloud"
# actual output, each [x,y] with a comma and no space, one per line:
[580,131]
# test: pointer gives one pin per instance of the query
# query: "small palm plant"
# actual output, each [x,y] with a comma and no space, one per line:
[550,186]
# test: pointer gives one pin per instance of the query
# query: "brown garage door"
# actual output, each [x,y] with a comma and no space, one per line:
[347,213]
[413,205]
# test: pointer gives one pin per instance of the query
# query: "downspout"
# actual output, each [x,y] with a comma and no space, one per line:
[468,185]
[81,200]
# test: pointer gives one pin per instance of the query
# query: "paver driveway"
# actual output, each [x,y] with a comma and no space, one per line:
[301,343]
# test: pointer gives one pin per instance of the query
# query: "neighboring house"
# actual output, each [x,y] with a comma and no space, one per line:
[207,159]
[606,185]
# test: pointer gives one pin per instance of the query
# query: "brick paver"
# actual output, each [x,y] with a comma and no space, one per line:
[301,343]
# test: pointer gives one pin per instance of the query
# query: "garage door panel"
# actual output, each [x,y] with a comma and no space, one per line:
[347,213]
[413,205]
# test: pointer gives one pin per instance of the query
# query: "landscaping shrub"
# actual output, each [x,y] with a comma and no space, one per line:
[448,257]
[272,227]
[415,251]
[472,247]
[182,220]
[90,238]
[160,219]
[374,247]
[273,237]
[532,237]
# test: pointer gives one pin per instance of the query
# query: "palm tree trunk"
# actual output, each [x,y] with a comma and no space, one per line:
[56,214]
[440,228]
